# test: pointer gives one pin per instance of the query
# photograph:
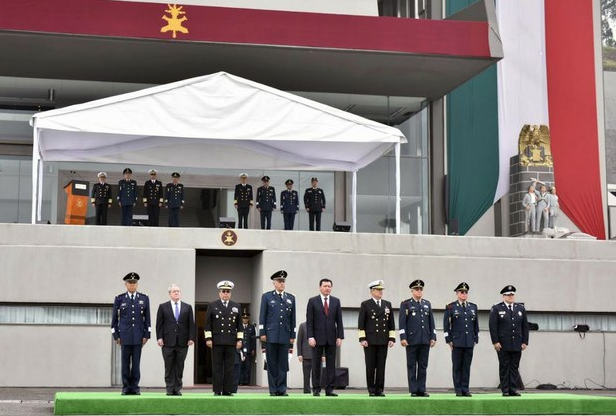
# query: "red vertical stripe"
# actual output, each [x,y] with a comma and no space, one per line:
[572,105]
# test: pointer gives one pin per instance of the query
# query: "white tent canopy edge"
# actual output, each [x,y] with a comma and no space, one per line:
[216,121]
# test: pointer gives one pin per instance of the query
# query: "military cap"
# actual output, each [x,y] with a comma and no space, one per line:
[153,172]
[246,314]
[243,175]
[314,178]
[265,178]
[289,182]
[131,277]
[127,170]
[508,290]
[462,286]
[102,174]
[175,175]
[417,284]
[279,275]
[225,284]
[377,284]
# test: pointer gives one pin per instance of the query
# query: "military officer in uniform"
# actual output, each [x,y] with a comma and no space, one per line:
[130,327]
[266,202]
[248,351]
[377,333]
[127,196]
[509,334]
[223,334]
[277,332]
[174,199]
[461,327]
[242,199]
[417,335]
[153,198]
[289,204]
[101,198]
[314,201]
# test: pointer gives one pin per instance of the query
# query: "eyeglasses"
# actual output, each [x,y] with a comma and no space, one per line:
[418,288]
[463,291]
[225,291]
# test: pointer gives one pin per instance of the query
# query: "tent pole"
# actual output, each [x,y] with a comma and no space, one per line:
[354,200]
[397,151]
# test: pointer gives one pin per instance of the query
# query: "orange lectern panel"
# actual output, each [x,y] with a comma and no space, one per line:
[76,202]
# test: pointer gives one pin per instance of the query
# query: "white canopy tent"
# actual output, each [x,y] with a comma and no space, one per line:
[216,121]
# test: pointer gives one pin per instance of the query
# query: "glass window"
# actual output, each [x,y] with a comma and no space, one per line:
[55,314]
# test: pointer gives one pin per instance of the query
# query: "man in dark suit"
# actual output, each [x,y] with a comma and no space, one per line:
[417,335]
[304,355]
[242,200]
[248,351]
[101,198]
[266,202]
[130,327]
[377,333]
[461,327]
[223,334]
[127,196]
[153,198]
[314,201]
[509,333]
[289,204]
[175,332]
[277,332]
[325,333]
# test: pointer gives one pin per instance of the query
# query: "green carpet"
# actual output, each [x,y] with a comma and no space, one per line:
[68,403]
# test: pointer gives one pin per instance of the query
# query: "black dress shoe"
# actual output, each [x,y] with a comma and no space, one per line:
[423,394]
[217,394]
[137,393]
[514,393]
[331,394]
[178,393]
[316,394]
[381,394]
[306,392]
[372,394]
[284,393]
[414,395]
[227,394]
[467,394]
[273,394]
[459,394]
[505,394]
[169,394]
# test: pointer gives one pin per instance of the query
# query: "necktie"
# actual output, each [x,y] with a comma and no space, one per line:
[132,298]
[326,307]
[225,303]
[510,308]
[280,295]
[177,311]
[464,305]
[378,302]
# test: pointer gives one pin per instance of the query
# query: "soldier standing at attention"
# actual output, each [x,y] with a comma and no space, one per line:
[223,334]
[277,332]
[314,201]
[130,327]
[417,335]
[249,348]
[242,199]
[461,327]
[174,199]
[377,333]
[101,198]
[266,202]
[509,333]
[153,198]
[127,196]
[289,204]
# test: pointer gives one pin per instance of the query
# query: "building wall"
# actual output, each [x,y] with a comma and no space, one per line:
[85,264]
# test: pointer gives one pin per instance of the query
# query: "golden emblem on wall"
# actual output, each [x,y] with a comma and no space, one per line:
[534,146]
[229,238]
[174,22]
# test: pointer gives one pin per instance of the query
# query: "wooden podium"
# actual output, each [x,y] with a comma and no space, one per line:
[77,196]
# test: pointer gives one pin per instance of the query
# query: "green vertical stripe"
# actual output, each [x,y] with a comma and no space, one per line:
[472,143]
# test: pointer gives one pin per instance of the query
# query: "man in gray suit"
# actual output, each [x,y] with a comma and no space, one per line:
[304,355]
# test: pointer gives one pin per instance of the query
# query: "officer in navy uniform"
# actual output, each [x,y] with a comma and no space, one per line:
[461,327]
[249,348]
[289,204]
[153,198]
[174,200]
[130,327]
[377,333]
[266,202]
[509,334]
[314,201]
[277,332]
[223,334]
[417,335]
[127,196]
[101,198]
[242,199]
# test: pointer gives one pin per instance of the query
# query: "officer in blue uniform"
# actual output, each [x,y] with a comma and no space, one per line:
[314,201]
[153,198]
[417,335]
[277,332]
[127,196]
[509,334]
[266,202]
[461,327]
[101,198]
[174,199]
[289,205]
[242,199]
[130,327]
[249,349]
